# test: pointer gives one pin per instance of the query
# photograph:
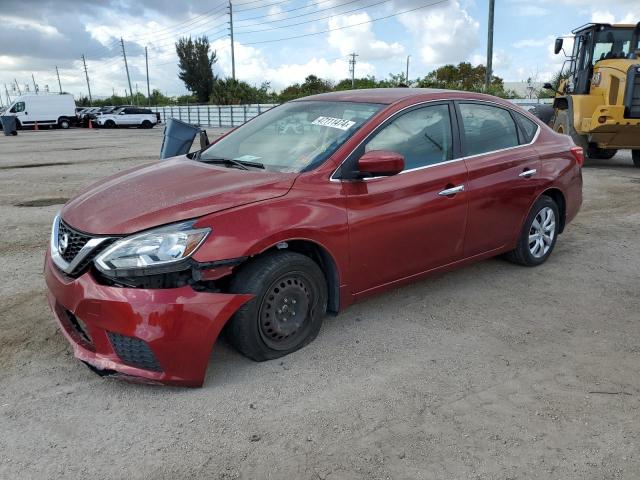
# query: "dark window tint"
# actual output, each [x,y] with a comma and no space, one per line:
[145,111]
[528,127]
[422,136]
[18,107]
[487,128]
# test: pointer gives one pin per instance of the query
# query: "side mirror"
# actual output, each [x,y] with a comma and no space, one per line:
[548,86]
[204,139]
[380,163]
[121,113]
[558,46]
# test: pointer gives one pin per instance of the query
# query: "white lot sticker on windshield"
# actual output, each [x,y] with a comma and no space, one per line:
[333,123]
[247,158]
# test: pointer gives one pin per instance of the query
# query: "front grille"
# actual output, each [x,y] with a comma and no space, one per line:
[632,93]
[74,241]
[134,352]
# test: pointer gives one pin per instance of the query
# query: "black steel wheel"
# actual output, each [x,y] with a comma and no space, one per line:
[290,301]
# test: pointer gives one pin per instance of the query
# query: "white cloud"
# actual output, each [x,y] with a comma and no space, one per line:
[446,33]
[252,66]
[360,38]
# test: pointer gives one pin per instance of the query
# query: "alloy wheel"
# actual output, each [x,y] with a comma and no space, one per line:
[542,232]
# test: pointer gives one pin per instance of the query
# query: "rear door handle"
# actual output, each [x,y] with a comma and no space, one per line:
[451,191]
[528,173]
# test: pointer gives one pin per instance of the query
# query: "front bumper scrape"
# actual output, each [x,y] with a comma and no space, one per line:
[176,326]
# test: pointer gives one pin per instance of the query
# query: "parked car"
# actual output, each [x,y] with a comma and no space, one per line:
[51,109]
[267,229]
[127,117]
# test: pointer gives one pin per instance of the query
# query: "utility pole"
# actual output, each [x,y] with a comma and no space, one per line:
[352,69]
[86,74]
[17,86]
[146,61]
[487,81]
[35,85]
[58,74]
[407,75]
[233,54]
[126,66]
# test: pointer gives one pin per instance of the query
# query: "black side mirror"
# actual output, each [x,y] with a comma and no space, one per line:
[558,45]
[204,139]
[548,86]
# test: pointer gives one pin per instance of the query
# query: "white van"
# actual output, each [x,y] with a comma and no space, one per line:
[48,109]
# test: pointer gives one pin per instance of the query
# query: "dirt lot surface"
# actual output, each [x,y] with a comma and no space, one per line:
[491,372]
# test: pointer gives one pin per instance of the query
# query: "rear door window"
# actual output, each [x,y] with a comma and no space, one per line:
[487,128]
[528,128]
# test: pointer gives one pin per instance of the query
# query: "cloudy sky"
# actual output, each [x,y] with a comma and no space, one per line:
[37,35]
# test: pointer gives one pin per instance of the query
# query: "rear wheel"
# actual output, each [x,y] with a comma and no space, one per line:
[539,234]
[635,154]
[64,123]
[146,124]
[289,304]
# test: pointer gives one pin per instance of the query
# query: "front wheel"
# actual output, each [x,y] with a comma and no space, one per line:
[290,301]
[64,123]
[635,154]
[110,124]
[539,234]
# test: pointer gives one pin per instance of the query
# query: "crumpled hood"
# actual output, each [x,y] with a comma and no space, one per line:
[168,191]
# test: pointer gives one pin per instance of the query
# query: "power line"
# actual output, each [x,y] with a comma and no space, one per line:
[291,10]
[261,6]
[316,19]
[348,26]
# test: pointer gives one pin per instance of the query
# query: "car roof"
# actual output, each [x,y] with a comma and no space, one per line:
[392,95]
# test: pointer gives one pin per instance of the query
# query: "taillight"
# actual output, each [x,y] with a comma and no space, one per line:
[578,154]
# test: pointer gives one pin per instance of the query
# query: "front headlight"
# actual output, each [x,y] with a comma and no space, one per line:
[161,249]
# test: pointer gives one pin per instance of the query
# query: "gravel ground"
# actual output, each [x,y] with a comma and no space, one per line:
[491,372]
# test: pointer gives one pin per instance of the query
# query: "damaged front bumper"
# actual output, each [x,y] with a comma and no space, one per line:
[154,335]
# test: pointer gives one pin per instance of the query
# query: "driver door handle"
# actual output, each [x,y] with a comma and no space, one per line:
[451,191]
[528,173]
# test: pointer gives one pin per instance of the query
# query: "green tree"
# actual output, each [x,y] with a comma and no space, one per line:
[234,92]
[465,76]
[196,66]
[366,82]
[311,86]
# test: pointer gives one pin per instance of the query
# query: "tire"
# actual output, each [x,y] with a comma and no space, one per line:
[64,123]
[18,125]
[561,125]
[270,326]
[110,124]
[531,253]
[596,153]
[635,154]
[146,124]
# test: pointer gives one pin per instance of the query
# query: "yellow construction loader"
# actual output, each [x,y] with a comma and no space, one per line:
[598,99]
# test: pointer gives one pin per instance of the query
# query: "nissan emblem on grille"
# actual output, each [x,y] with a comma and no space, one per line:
[63,243]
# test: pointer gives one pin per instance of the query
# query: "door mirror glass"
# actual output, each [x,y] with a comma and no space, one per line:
[380,163]
[558,45]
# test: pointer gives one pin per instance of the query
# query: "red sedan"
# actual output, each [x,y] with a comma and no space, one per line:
[304,210]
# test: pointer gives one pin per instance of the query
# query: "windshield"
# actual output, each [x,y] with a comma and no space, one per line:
[293,137]
[614,43]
